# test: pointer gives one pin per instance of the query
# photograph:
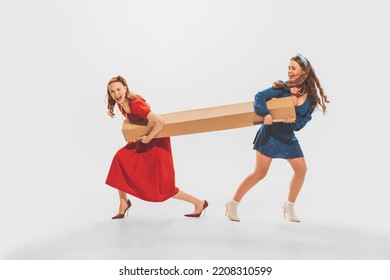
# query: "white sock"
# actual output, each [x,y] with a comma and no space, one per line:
[235,202]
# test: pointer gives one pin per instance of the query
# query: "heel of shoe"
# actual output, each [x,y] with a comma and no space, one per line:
[128,207]
[193,215]
[231,211]
[205,205]
[125,214]
[288,208]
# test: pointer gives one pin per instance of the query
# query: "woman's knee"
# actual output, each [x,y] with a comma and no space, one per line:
[301,171]
[259,174]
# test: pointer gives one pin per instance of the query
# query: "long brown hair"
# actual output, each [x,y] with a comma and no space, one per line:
[308,82]
[111,101]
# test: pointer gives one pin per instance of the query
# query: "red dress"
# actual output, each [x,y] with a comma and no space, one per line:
[144,170]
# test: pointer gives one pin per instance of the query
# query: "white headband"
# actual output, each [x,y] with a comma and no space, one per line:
[303,59]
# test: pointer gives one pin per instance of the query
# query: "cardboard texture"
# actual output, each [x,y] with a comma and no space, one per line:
[211,119]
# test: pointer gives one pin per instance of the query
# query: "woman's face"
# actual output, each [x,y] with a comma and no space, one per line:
[294,71]
[118,92]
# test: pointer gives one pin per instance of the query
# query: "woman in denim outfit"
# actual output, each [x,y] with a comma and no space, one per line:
[277,140]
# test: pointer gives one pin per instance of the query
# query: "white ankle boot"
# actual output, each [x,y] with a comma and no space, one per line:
[288,208]
[231,210]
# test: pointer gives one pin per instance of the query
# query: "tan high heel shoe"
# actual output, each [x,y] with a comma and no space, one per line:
[288,208]
[231,210]
[121,216]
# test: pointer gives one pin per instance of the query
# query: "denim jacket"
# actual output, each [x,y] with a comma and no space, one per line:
[303,111]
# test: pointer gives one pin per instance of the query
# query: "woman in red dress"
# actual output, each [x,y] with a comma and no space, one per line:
[144,167]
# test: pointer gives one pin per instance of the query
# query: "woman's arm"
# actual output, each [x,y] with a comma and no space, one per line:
[301,121]
[260,105]
[157,123]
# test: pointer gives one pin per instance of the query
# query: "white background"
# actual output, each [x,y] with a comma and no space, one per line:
[57,141]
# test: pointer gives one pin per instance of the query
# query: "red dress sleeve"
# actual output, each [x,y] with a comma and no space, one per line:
[139,108]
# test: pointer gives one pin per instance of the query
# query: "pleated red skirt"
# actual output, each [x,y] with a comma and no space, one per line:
[145,171]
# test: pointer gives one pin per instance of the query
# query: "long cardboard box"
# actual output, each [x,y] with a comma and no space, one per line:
[211,119]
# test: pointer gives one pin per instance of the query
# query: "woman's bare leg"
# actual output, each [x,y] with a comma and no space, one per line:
[198,204]
[261,169]
[262,165]
[122,202]
[299,167]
